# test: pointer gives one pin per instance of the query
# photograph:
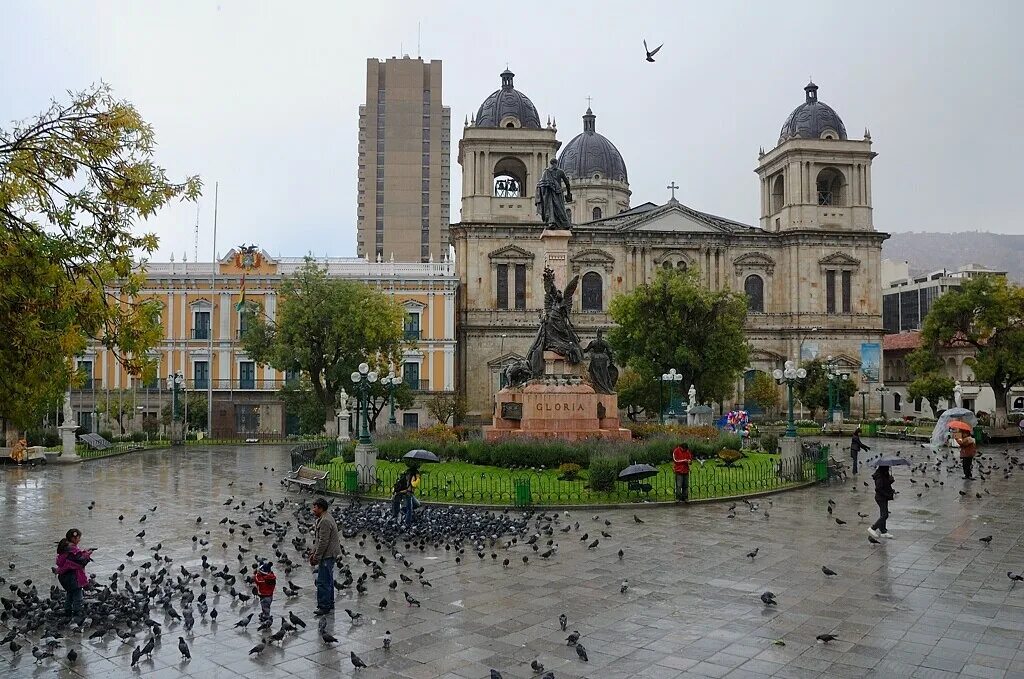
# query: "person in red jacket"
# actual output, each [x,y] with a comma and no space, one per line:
[266,582]
[681,458]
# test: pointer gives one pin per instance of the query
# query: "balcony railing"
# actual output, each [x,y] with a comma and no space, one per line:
[418,385]
[412,334]
[234,384]
[200,333]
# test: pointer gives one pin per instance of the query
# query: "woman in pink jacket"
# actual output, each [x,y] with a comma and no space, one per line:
[71,563]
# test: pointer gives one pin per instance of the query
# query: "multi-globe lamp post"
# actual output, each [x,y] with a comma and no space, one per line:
[391,382]
[363,380]
[834,379]
[882,391]
[789,375]
[672,376]
[175,383]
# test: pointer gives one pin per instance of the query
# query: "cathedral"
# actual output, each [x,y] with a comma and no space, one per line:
[810,268]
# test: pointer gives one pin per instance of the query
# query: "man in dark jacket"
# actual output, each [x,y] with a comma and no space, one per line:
[883,494]
[855,447]
[326,548]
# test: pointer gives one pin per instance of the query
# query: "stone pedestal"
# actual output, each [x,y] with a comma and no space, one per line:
[342,418]
[366,464]
[177,432]
[68,453]
[837,417]
[556,253]
[789,447]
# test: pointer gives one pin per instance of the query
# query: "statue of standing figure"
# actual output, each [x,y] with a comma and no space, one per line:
[550,201]
[602,370]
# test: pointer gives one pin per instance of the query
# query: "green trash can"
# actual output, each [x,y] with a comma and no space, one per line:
[523,494]
[979,435]
[871,429]
[821,465]
[351,481]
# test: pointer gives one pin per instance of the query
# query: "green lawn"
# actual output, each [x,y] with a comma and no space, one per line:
[464,482]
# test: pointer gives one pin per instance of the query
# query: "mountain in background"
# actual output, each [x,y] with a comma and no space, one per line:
[928,252]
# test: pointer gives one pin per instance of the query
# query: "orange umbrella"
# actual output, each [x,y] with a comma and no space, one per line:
[963,426]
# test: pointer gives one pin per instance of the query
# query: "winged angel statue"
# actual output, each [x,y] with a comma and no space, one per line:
[556,332]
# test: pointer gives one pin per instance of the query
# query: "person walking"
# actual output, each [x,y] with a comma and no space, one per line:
[681,459]
[326,548]
[409,501]
[71,562]
[266,582]
[883,494]
[968,450]
[856,445]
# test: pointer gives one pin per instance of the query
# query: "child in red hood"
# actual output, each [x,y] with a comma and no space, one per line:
[266,582]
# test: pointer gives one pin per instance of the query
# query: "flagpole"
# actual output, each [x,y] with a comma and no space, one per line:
[213,303]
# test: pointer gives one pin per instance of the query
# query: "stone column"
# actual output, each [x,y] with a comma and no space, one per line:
[556,253]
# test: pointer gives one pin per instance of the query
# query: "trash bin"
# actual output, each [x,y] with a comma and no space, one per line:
[979,435]
[523,494]
[821,464]
[871,429]
[351,481]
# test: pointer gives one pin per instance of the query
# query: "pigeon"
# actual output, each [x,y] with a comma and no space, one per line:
[872,540]
[650,52]
[495,674]
[573,638]
[1018,577]
[536,666]
[594,544]
[840,522]
[987,539]
[621,554]
[548,675]
[582,652]
[563,620]
[353,616]
[387,640]
[327,638]
[751,554]
[827,571]
[357,662]
[769,599]
[40,656]
[72,656]
[136,654]
[183,649]
[636,518]
[862,515]
[147,650]
[825,638]
[383,604]
[244,622]
[296,620]
[624,586]
[258,648]
[411,599]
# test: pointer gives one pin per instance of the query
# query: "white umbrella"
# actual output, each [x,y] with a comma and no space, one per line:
[941,431]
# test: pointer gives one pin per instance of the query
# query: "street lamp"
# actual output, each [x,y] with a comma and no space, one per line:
[391,383]
[363,379]
[863,403]
[834,379]
[672,376]
[175,382]
[882,391]
[789,375]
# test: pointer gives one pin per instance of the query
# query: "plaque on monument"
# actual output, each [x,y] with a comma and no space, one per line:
[511,410]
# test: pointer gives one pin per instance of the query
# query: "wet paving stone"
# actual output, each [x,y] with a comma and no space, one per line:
[933,602]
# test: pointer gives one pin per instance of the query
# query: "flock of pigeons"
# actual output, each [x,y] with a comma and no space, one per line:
[148,592]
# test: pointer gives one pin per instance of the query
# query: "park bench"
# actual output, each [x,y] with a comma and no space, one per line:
[836,470]
[307,477]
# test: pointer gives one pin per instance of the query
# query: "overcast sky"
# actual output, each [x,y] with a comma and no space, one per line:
[263,97]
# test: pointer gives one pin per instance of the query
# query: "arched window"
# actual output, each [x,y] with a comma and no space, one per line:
[666,265]
[1018,403]
[753,286]
[509,178]
[778,193]
[681,265]
[831,187]
[592,295]
[897,401]
[597,213]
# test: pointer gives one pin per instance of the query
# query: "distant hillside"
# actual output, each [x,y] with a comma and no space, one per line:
[931,251]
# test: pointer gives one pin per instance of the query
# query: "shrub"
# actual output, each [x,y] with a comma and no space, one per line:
[730,457]
[107,434]
[439,433]
[648,430]
[324,456]
[42,437]
[569,471]
[604,471]
[1014,418]
[806,423]
[770,443]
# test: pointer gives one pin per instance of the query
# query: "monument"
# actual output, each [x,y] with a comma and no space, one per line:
[546,394]
[67,430]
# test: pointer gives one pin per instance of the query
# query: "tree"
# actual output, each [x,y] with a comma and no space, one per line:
[191,406]
[118,405]
[326,327]
[675,322]
[763,392]
[636,395]
[444,407]
[813,390]
[987,315]
[930,381]
[74,182]
[301,402]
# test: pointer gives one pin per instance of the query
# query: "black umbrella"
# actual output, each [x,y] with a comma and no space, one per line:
[420,455]
[888,462]
[635,472]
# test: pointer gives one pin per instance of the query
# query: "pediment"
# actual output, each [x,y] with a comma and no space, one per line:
[511,252]
[201,304]
[754,260]
[838,258]
[670,221]
[413,305]
[502,361]
[592,256]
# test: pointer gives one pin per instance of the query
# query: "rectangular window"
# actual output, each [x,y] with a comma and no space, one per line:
[502,287]
[201,325]
[891,313]
[520,286]
[830,291]
[411,375]
[412,326]
[411,420]
[847,291]
[292,376]
[426,185]
[426,146]
[380,198]
[380,146]
[426,159]
[200,374]
[85,370]
[910,312]
[425,211]
[247,375]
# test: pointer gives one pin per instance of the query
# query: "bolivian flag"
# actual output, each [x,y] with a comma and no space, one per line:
[241,300]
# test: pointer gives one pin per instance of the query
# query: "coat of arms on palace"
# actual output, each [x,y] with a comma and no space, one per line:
[248,257]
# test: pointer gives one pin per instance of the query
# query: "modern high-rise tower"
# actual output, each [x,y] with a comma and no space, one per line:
[404,162]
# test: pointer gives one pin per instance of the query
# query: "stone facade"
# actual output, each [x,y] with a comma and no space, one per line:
[811,268]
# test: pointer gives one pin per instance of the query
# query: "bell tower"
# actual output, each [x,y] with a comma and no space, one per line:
[503,151]
[816,177]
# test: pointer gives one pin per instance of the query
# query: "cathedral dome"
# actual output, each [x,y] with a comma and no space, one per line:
[507,107]
[812,119]
[590,154]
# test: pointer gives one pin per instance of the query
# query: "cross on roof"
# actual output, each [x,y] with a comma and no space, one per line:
[588,101]
[673,188]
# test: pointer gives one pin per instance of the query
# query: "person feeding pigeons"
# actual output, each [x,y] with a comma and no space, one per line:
[71,575]
[326,548]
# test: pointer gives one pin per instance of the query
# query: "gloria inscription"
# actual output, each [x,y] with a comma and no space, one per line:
[557,406]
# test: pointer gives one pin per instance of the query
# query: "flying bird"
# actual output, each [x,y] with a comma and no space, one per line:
[650,52]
